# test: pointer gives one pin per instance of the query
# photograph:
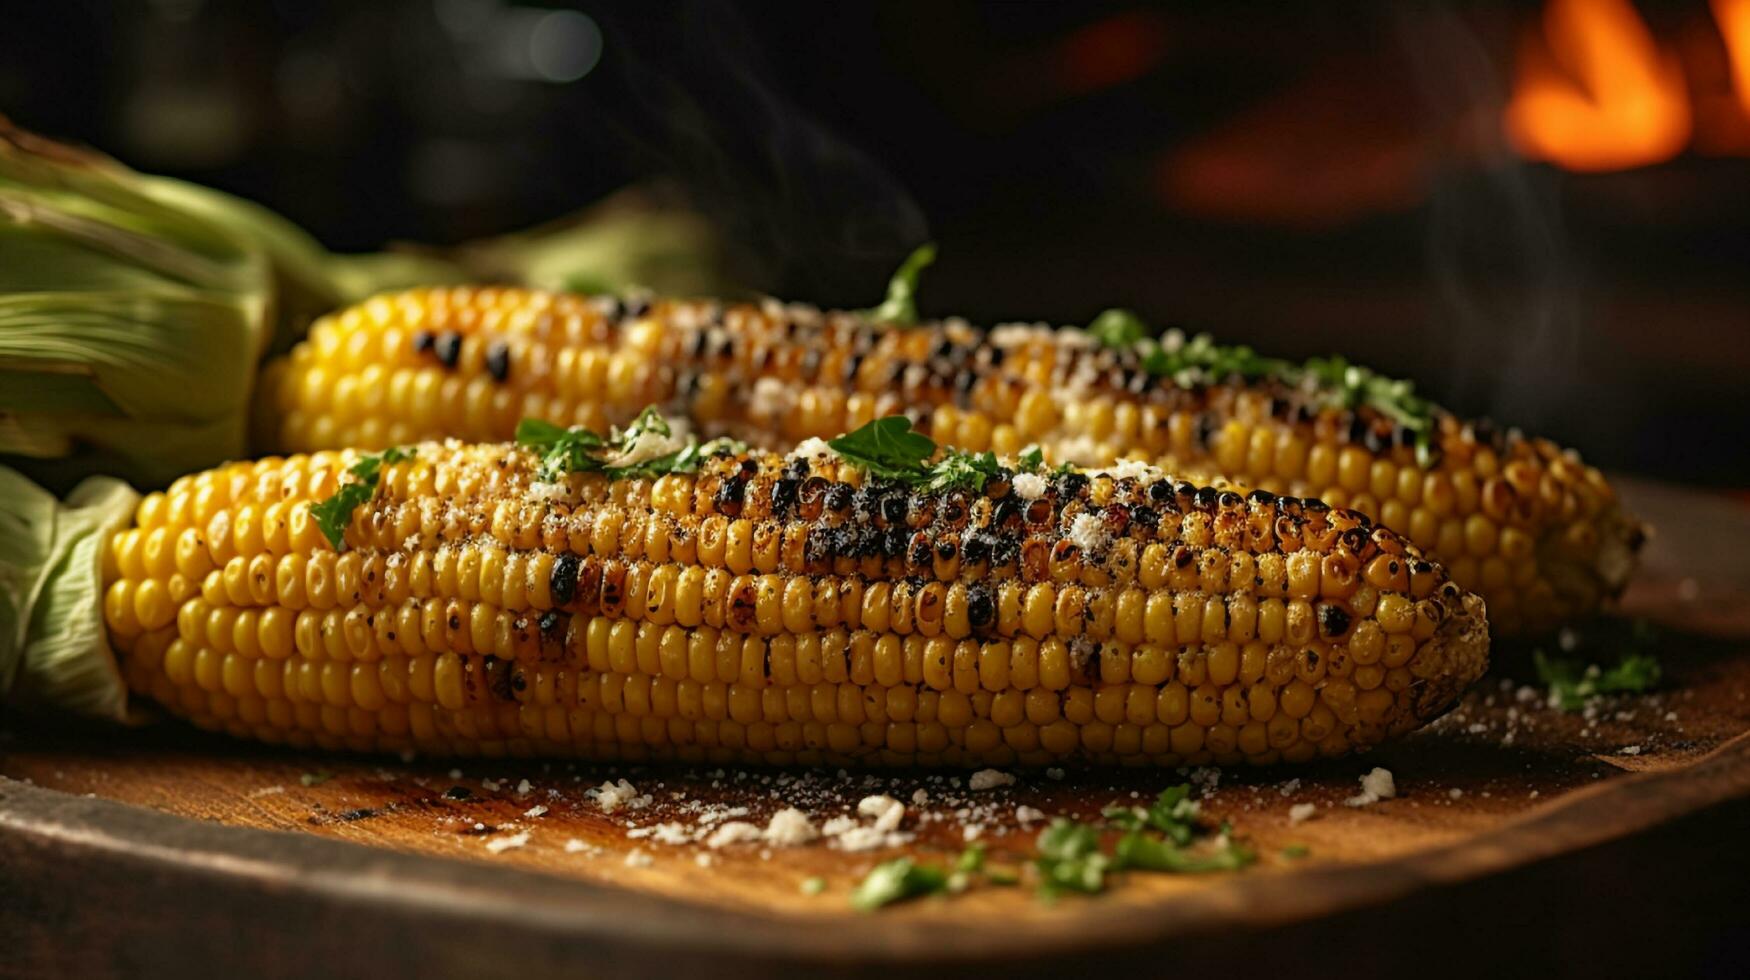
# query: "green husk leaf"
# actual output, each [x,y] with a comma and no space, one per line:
[53,649]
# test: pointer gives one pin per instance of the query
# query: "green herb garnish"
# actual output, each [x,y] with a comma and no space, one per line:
[1571,683]
[334,514]
[1295,852]
[1118,329]
[1070,859]
[1199,360]
[1173,813]
[316,778]
[891,449]
[813,886]
[900,308]
[1139,851]
[580,450]
[888,447]
[895,881]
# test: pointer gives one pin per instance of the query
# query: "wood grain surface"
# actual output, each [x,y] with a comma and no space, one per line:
[503,867]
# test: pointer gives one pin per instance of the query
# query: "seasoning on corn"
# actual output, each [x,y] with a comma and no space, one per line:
[1518,519]
[781,610]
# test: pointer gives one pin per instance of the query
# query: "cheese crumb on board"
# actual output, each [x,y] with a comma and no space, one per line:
[989,779]
[1302,812]
[1375,786]
[790,827]
[498,845]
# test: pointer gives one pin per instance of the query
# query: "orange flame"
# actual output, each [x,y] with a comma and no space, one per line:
[1733,17]
[1596,92]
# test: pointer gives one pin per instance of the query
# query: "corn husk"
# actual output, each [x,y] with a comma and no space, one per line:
[135,310]
[53,651]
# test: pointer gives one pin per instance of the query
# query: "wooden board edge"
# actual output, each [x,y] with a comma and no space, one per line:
[439,916]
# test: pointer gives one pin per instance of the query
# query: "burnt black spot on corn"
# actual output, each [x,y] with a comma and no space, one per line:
[1519,519]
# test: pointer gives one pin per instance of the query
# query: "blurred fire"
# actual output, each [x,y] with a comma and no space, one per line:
[1594,90]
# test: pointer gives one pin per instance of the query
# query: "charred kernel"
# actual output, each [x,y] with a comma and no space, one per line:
[1262,497]
[947,546]
[981,606]
[1070,484]
[1064,550]
[729,495]
[839,496]
[1145,517]
[1160,491]
[700,341]
[977,547]
[448,348]
[550,624]
[893,542]
[920,508]
[1229,500]
[635,306]
[458,793]
[498,359]
[1183,557]
[1005,511]
[1314,505]
[893,510]
[1117,518]
[1354,540]
[955,510]
[1333,620]
[997,487]
[1039,513]
[1206,497]
[423,341]
[796,469]
[853,365]
[918,549]
[562,583]
[784,494]
[1207,427]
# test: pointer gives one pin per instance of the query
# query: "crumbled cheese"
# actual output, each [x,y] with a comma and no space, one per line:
[535,811]
[704,860]
[810,448]
[838,825]
[499,845]
[490,785]
[733,832]
[770,399]
[1131,469]
[861,839]
[612,796]
[886,810]
[1631,750]
[1455,793]
[1302,812]
[639,859]
[1028,486]
[575,846]
[971,832]
[920,797]
[524,788]
[559,493]
[790,827]
[1375,786]
[266,791]
[1025,815]
[1088,533]
[989,779]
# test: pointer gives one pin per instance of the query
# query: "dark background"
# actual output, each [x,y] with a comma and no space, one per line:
[1305,180]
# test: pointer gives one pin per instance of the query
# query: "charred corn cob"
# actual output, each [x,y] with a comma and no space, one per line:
[778,610]
[1518,519]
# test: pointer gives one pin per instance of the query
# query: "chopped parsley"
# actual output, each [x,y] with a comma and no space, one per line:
[1571,683]
[1118,329]
[895,881]
[1142,852]
[1199,360]
[1070,859]
[620,453]
[1173,813]
[334,514]
[891,449]
[900,308]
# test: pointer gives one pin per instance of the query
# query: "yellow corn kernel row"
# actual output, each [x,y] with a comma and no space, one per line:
[1538,533]
[785,611]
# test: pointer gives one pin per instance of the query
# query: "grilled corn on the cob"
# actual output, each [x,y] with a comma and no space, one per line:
[779,610]
[1518,519]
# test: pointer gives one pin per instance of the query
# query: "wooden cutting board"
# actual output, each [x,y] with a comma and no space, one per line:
[166,851]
